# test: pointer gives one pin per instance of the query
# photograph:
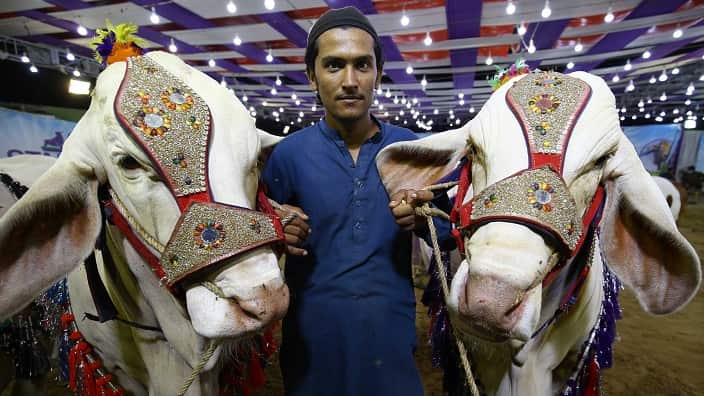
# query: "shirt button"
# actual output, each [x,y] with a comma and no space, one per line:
[357,203]
[357,225]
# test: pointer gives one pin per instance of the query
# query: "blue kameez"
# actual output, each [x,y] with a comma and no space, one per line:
[350,328]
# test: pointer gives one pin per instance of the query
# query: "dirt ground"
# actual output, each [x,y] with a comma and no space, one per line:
[660,356]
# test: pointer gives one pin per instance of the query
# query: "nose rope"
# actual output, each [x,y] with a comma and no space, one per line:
[199,367]
[426,211]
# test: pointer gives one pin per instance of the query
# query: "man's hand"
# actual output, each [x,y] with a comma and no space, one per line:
[403,204]
[296,229]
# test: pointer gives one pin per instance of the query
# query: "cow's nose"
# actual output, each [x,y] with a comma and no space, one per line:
[491,307]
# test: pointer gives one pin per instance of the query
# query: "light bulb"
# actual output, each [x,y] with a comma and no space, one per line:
[273,91]
[461,102]
[223,82]
[489,60]
[531,47]
[269,57]
[628,66]
[663,97]
[211,63]
[405,20]
[33,69]
[172,46]
[630,87]
[423,82]
[76,73]
[435,111]
[677,33]
[510,8]
[640,103]
[415,100]
[687,102]
[314,108]
[609,17]
[578,47]
[471,109]
[403,100]
[428,40]
[245,98]
[294,96]
[237,40]
[652,80]
[570,65]
[546,12]
[395,99]
[70,56]
[615,78]
[278,81]
[25,58]
[269,4]
[646,54]
[298,102]
[522,29]
[82,30]
[379,91]
[663,76]
[409,69]
[649,100]
[231,7]
[675,71]
[388,93]
[154,17]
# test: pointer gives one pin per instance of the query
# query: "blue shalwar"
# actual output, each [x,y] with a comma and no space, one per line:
[350,327]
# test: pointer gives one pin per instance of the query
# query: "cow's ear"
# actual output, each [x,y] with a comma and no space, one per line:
[640,240]
[417,163]
[267,142]
[47,233]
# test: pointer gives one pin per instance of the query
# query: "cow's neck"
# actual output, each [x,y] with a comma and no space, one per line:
[558,346]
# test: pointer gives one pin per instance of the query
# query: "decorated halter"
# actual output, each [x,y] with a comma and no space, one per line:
[172,123]
[547,106]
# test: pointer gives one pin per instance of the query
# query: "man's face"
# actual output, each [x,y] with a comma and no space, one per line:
[345,73]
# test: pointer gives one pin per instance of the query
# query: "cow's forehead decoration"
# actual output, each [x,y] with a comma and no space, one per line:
[170,120]
[172,123]
[547,105]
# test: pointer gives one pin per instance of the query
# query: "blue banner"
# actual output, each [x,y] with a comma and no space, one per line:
[26,133]
[657,146]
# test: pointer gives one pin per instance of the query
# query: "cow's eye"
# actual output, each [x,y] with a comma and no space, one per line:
[601,161]
[128,162]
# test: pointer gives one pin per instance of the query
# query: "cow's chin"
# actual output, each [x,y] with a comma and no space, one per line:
[514,325]
[256,298]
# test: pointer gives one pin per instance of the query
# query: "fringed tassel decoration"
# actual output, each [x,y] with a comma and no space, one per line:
[244,376]
[85,374]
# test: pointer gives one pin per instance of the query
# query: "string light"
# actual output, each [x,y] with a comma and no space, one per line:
[70,56]
[278,81]
[615,78]
[510,8]
[675,71]
[423,82]
[570,65]
[231,7]
[531,47]
[25,58]
[646,54]
[237,40]
[273,91]
[223,82]
[211,63]
[294,96]
[154,17]
[609,17]
[269,4]
[663,97]
[245,98]
[409,69]
[489,60]
[388,93]
[546,12]
[471,109]
[269,57]
[687,102]
[578,47]
[630,86]
[379,91]
[522,29]
[628,66]
[76,73]
[428,40]
[82,30]
[172,46]
[33,69]
[677,33]
[652,80]
[663,76]
[405,20]
[640,103]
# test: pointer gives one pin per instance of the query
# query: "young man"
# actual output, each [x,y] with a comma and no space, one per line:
[350,329]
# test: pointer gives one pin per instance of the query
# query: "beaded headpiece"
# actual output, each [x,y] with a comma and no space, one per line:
[116,43]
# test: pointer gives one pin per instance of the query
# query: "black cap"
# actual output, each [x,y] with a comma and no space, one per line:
[347,16]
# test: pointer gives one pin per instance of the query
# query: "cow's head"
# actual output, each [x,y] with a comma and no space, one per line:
[54,227]
[497,292]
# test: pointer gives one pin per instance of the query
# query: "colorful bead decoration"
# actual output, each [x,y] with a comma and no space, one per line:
[548,81]
[152,121]
[193,122]
[544,103]
[209,234]
[177,99]
[540,196]
[490,200]
[543,128]
[180,160]
[254,225]
[143,98]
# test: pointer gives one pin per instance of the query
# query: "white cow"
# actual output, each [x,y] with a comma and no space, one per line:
[54,227]
[497,300]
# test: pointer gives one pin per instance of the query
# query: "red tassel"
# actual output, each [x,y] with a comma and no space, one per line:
[591,386]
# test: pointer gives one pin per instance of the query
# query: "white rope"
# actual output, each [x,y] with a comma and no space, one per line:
[428,212]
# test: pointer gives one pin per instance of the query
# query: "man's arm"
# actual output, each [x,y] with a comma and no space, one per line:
[403,205]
